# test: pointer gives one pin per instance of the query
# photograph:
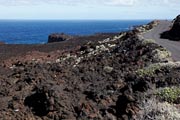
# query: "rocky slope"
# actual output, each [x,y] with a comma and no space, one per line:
[113,79]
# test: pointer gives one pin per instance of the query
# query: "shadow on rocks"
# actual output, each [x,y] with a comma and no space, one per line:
[174,32]
[167,35]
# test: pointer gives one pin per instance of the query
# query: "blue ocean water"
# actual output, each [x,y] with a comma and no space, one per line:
[37,31]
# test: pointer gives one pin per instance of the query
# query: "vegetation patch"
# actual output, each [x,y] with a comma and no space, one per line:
[161,54]
[170,94]
[149,71]
[148,41]
[152,69]
[155,110]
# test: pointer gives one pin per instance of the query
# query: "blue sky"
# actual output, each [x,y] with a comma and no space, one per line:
[89,9]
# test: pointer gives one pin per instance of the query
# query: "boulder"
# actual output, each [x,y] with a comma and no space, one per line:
[175,31]
[58,37]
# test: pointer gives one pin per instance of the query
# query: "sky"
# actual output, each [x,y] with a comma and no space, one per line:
[89,9]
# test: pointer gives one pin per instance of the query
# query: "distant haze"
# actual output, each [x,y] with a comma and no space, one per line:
[89,9]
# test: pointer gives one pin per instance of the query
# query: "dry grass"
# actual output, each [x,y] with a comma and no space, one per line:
[152,109]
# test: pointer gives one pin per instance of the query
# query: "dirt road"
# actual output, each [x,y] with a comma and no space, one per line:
[172,46]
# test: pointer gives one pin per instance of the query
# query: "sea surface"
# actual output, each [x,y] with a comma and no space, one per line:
[37,31]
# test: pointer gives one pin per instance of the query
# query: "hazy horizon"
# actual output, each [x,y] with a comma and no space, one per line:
[80,19]
[88,10]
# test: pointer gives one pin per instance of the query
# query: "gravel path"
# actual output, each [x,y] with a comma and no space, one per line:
[172,46]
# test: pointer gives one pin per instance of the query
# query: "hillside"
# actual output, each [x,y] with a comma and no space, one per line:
[120,77]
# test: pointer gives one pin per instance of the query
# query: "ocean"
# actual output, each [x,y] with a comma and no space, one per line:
[37,31]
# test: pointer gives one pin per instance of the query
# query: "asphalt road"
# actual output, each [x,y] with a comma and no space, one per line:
[172,46]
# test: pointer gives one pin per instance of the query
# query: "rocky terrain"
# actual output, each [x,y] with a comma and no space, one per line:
[122,77]
[174,32]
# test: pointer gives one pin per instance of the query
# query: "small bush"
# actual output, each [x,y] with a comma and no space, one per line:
[170,95]
[161,54]
[152,109]
[148,41]
[150,70]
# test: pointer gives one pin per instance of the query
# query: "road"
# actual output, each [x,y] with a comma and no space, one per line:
[172,46]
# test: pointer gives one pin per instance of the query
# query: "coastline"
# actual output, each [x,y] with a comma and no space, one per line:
[37,32]
[104,77]
[13,50]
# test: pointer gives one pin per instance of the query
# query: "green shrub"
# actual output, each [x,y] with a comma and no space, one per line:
[149,71]
[169,94]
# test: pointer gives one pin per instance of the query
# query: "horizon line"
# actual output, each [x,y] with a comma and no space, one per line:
[79,19]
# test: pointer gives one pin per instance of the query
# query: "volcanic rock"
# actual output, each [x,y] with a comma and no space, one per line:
[175,31]
[58,37]
[103,79]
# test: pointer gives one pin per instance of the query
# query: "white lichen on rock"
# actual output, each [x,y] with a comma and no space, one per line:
[111,45]
[108,69]
[115,38]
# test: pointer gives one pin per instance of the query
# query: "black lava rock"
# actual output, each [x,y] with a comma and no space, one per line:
[58,37]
